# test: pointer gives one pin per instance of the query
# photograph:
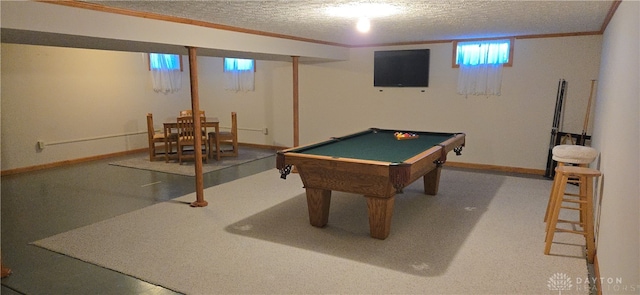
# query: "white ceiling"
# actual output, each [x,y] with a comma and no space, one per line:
[420,21]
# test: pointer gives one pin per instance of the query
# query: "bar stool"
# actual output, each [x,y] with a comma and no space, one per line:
[569,154]
[584,199]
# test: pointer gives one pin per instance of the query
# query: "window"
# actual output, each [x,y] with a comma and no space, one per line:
[166,72]
[480,52]
[481,63]
[161,61]
[239,74]
[238,64]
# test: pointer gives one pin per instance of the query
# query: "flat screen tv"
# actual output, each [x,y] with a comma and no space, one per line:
[401,68]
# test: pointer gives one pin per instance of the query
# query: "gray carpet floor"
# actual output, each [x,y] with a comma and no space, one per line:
[482,234]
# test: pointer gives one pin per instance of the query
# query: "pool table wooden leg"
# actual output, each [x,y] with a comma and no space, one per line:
[318,202]
[431,181]
[380,213]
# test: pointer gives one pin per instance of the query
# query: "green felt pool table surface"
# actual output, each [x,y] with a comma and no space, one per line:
[377,145]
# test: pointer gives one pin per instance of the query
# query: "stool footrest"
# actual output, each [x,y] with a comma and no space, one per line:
[571,231]
[574,201]
[570,221]
[572,195]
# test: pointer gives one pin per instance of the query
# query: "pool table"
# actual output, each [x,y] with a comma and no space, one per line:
[373,163]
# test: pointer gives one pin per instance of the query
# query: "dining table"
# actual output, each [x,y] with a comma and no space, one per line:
[168,126]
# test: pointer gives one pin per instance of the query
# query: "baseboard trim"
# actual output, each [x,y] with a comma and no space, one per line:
[68,162]
[506,169]
[261,146]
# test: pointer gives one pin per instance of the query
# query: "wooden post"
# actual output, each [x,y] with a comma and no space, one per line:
[197,125]
[296,117]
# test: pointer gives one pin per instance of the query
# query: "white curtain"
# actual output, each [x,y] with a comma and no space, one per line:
[481,67]
[164,75]
[484,79]
[239,80]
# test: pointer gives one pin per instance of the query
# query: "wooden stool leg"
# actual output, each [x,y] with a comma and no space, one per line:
[584,183]
[556,198]
[588,219]
[558,193]
[551,199]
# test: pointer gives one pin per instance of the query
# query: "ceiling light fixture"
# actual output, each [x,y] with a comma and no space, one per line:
[363,25]
[363,12]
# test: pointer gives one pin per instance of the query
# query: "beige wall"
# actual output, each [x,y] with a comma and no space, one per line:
[617,137]
[508,130]
[61,94]
[83,103]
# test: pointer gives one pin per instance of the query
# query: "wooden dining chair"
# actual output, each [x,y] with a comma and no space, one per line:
[156,138]
[228,138]
[187,135]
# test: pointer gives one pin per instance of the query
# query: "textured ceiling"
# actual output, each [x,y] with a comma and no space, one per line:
[419,21]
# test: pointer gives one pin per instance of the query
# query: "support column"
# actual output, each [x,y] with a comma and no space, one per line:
[296,117]
[197,125]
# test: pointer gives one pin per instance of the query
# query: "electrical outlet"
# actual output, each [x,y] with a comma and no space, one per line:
[41,144]
[265,131]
